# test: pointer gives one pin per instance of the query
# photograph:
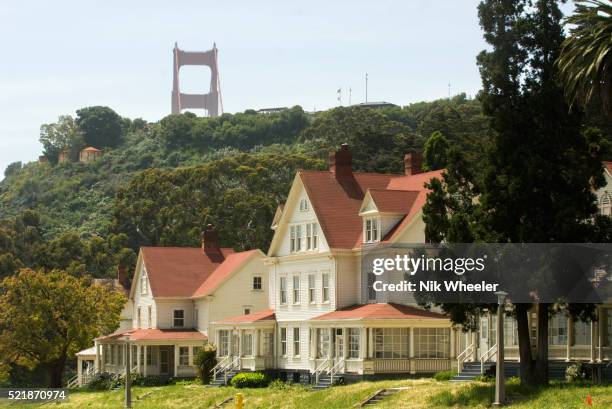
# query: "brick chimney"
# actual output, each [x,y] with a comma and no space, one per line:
[340,163]
[210,242]
[122,277]
[413,162]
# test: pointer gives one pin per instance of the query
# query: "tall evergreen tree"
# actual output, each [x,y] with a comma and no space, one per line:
[534,182]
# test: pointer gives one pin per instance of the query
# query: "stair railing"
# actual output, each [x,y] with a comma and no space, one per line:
[322,367]
[464,356]
[73,382]
[487,356]
[220,366]
[335,369]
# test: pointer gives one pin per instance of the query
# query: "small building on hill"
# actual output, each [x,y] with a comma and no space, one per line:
[89,154]
[63,156]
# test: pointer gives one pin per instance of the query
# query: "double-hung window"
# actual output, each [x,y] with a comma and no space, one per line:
[295,238]
[257,283]
[312,236]
[353,342]
[296,341]
[311,288]
[283,339]
[322,342]
[325,287]
[283,290]
[296,288]
[247,344]
[183,356]
[179,318]
[371,230]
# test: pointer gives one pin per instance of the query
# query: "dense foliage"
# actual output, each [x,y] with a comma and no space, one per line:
[250,380]
[205,361]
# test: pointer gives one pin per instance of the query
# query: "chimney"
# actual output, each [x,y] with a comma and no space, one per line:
[210,242]
[122,277]
[340,163]
[413,163]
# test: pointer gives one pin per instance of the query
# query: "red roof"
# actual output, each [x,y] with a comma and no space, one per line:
[608,166]
[92,149]
[153,334]
[393,201]
[189,271]
[337,203]
[378,311]
[266,315]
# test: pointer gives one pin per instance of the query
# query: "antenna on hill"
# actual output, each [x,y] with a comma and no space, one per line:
[366,87]
[449,90]
[350,95]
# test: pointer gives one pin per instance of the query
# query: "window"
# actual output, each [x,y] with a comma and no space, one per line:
[143,283]
[179,318]
[311,289]
[247,344]
[609,325]
[431,342]
[296,341]
[391,343]
[257,283]
[371,291]
[150,317]
[246,310]
[195,352]
[582,333]
[183,356]
[295,238]
[223,343]
[268,343]
[557,329]
[283,290]
[322,343]
[138,321]
[510,332]
[151,357]
[353,342]
[325,279]
[303,205]
[296,289]
[283,339]
[371,230]
[312,236]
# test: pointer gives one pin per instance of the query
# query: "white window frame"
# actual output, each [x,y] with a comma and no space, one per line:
[282,292]
[432,343]
[304,205]
[224,339]
[181,318]
[257,283]
[582,332]
[325,288]
[371,230]
[323,342]
[139,318]
[312,236]
[605,205]
[246,309]
[144,287]
[353,342]
[283,341]
[312,288]
[296,288]
[557,329]
[183,356]
[296,341]
[391,343]
[150,316]
[247,343]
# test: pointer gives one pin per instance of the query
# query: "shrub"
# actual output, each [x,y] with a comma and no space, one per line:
[278,384]
[575,373]
[485,378]
[250,380]
[102,381]
[445,375]
[149,380]
[205,361]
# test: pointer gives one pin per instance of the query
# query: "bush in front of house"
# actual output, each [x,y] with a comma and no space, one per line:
[149,380]
[102,381]
[444,375]
[575,373]
[250,380]
[205,361]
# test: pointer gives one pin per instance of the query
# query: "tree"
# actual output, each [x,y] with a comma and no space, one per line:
[435,152]
[45,318]
[585,63]
[534,182]
[205,361]
[63,135]
[101,126]
[12,169]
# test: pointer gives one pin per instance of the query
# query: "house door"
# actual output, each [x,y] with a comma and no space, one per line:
[235,344]
[164,361]
[483,346]
[339,350]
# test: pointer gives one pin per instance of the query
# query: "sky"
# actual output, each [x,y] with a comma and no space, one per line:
[59,56]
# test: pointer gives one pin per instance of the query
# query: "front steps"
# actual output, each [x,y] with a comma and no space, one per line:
[325,382]
[380,395]
[470,371]
[220,380]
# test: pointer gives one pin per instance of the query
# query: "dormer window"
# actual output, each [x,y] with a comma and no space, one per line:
[303,205]
[371,230]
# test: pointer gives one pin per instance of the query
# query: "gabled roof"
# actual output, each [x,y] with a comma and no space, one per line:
[393,201]
[337,203]
[189,271]
[265,315]
[91,149]
[152,334]
[608,166]
[378,311]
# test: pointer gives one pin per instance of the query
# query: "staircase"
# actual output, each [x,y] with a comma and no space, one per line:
[470,371]
[380,395]
[221,378]
[224,371]
[325,381]
[327,375]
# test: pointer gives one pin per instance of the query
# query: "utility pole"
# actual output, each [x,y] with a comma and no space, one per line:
[366,87]
[128,380]
[500,385]
[449,90]
[350,95]
[340,96]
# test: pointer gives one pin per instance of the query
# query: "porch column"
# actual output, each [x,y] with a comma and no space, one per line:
[601,314]
[176,359]
[363,342]
[475,343]
[594,337]
[97,361]
[230,348]
[345,343]
[79,371]
[411,344]
[370,342]
[217,340]
[240,342]
[145,359]
[138,361]
[570,335]
[453,335]
[330,349]
[256,336]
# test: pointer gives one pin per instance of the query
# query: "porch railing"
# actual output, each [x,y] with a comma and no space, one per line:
[226,365]
[487,356]
[464,356]
[220,366]
[338,367]
[322,367]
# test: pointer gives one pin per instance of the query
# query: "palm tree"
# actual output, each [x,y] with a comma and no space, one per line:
[585,63]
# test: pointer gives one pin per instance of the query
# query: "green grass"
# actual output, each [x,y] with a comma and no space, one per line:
[422,393]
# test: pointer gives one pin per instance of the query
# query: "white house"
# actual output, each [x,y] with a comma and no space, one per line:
[176,293]
[323,318]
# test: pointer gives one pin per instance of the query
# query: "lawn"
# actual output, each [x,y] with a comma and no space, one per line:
[424,393]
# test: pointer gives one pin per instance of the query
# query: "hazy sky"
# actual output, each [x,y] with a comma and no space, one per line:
[58,56]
